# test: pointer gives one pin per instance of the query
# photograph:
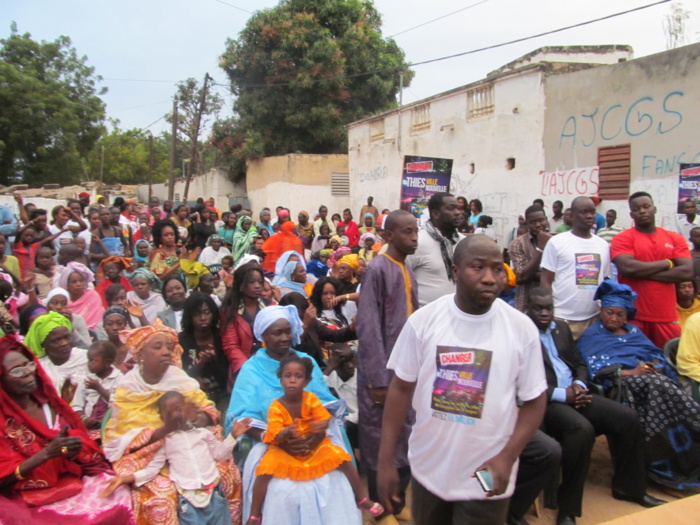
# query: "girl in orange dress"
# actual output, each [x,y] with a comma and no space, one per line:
[296,414]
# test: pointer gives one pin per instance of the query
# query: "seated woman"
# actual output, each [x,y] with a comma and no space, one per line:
[366,242]
[174,294]
[142,252]
[634,372]
[75,278]
[49,339]
[57,301]
[50,470]
[110,272]
[318,265]
[238,311]
[328,499]
[688,357]
[243,237]
[293,279]
[347,268]
[164,259]
[146,294]
[203,358]
[279,244]
[135,431]
[328,310]
[116,319]
[321,240]
[214,252]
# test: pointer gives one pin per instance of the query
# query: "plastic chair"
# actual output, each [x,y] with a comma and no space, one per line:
[670,351]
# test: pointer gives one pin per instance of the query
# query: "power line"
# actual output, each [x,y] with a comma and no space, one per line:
[235,7]
[574,26]
[139,80]
[438,18]
[141,106]
[154,122]
[473,51]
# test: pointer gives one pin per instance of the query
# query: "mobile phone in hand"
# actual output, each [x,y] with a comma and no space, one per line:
[485,480]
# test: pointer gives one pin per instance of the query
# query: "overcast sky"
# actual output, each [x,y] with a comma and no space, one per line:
[134,42]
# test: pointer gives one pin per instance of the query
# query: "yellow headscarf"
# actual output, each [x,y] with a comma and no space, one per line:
[352,260]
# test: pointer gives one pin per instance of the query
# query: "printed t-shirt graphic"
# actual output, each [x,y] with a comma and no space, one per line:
[460,381]
[587,270]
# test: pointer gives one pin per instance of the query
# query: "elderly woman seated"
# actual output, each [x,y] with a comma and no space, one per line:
[634,372]
[50,470]
[135,432]
[327,499]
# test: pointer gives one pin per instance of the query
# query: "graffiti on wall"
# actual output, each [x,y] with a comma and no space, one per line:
[644,115]
[569,183]
[377,173]
[657,166]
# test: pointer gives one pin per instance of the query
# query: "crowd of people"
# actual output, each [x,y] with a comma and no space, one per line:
[167,364]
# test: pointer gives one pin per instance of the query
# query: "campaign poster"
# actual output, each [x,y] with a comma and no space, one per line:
[688,184]
[587,270]
[460,382]
[423,176]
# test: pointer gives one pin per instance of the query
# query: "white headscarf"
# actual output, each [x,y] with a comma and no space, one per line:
[265,317]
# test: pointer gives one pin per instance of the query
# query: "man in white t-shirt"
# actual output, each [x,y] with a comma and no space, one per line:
[463,361]
[573,264]
[432,261]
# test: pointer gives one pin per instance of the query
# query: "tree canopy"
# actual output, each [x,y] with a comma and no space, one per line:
[127,157]
[301,72]
[51,114]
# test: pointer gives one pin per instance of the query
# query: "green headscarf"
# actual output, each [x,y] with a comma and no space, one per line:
[151,278]
[242,240]
[41,328]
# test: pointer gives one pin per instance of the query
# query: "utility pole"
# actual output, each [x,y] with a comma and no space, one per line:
[150,168]
[398,138]
[194,157]
[102,161]
[173,144]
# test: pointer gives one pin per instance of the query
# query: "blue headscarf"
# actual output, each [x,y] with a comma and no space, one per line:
[265,317]
[611,293]
[282,263]
[136,251]
[287,282]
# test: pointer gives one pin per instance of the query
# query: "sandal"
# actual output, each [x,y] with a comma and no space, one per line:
[375,510]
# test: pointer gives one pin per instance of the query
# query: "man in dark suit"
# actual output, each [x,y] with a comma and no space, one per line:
[574,417]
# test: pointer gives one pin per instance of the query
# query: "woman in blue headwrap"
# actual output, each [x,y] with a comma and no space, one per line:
[293,279]
[329,499]
[146,294]
[634,372]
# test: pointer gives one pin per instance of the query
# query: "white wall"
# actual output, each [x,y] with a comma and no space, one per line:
[298,197]
[515,130]
[651,103]
[214,183]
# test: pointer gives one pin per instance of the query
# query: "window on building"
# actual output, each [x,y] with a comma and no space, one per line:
[480,102]
[614,172]
[420,118]
[376,130]
[340,184]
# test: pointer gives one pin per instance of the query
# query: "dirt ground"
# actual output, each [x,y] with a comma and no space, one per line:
[598,503]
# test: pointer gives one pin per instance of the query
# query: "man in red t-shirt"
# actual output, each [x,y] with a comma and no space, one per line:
[651,260]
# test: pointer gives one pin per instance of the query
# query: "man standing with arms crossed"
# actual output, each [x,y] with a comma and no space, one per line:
[463,361]
[389,296]
[651,260]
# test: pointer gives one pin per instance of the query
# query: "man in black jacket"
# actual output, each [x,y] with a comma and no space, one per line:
[574,417]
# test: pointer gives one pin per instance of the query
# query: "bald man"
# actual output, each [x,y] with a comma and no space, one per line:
[389,296]
[573,264]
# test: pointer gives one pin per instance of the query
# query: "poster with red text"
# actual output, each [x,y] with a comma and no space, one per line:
[423,176]
[688,185]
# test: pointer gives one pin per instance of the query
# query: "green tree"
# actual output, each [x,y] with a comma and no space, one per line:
[299,72]
[127,157]
[52,113]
